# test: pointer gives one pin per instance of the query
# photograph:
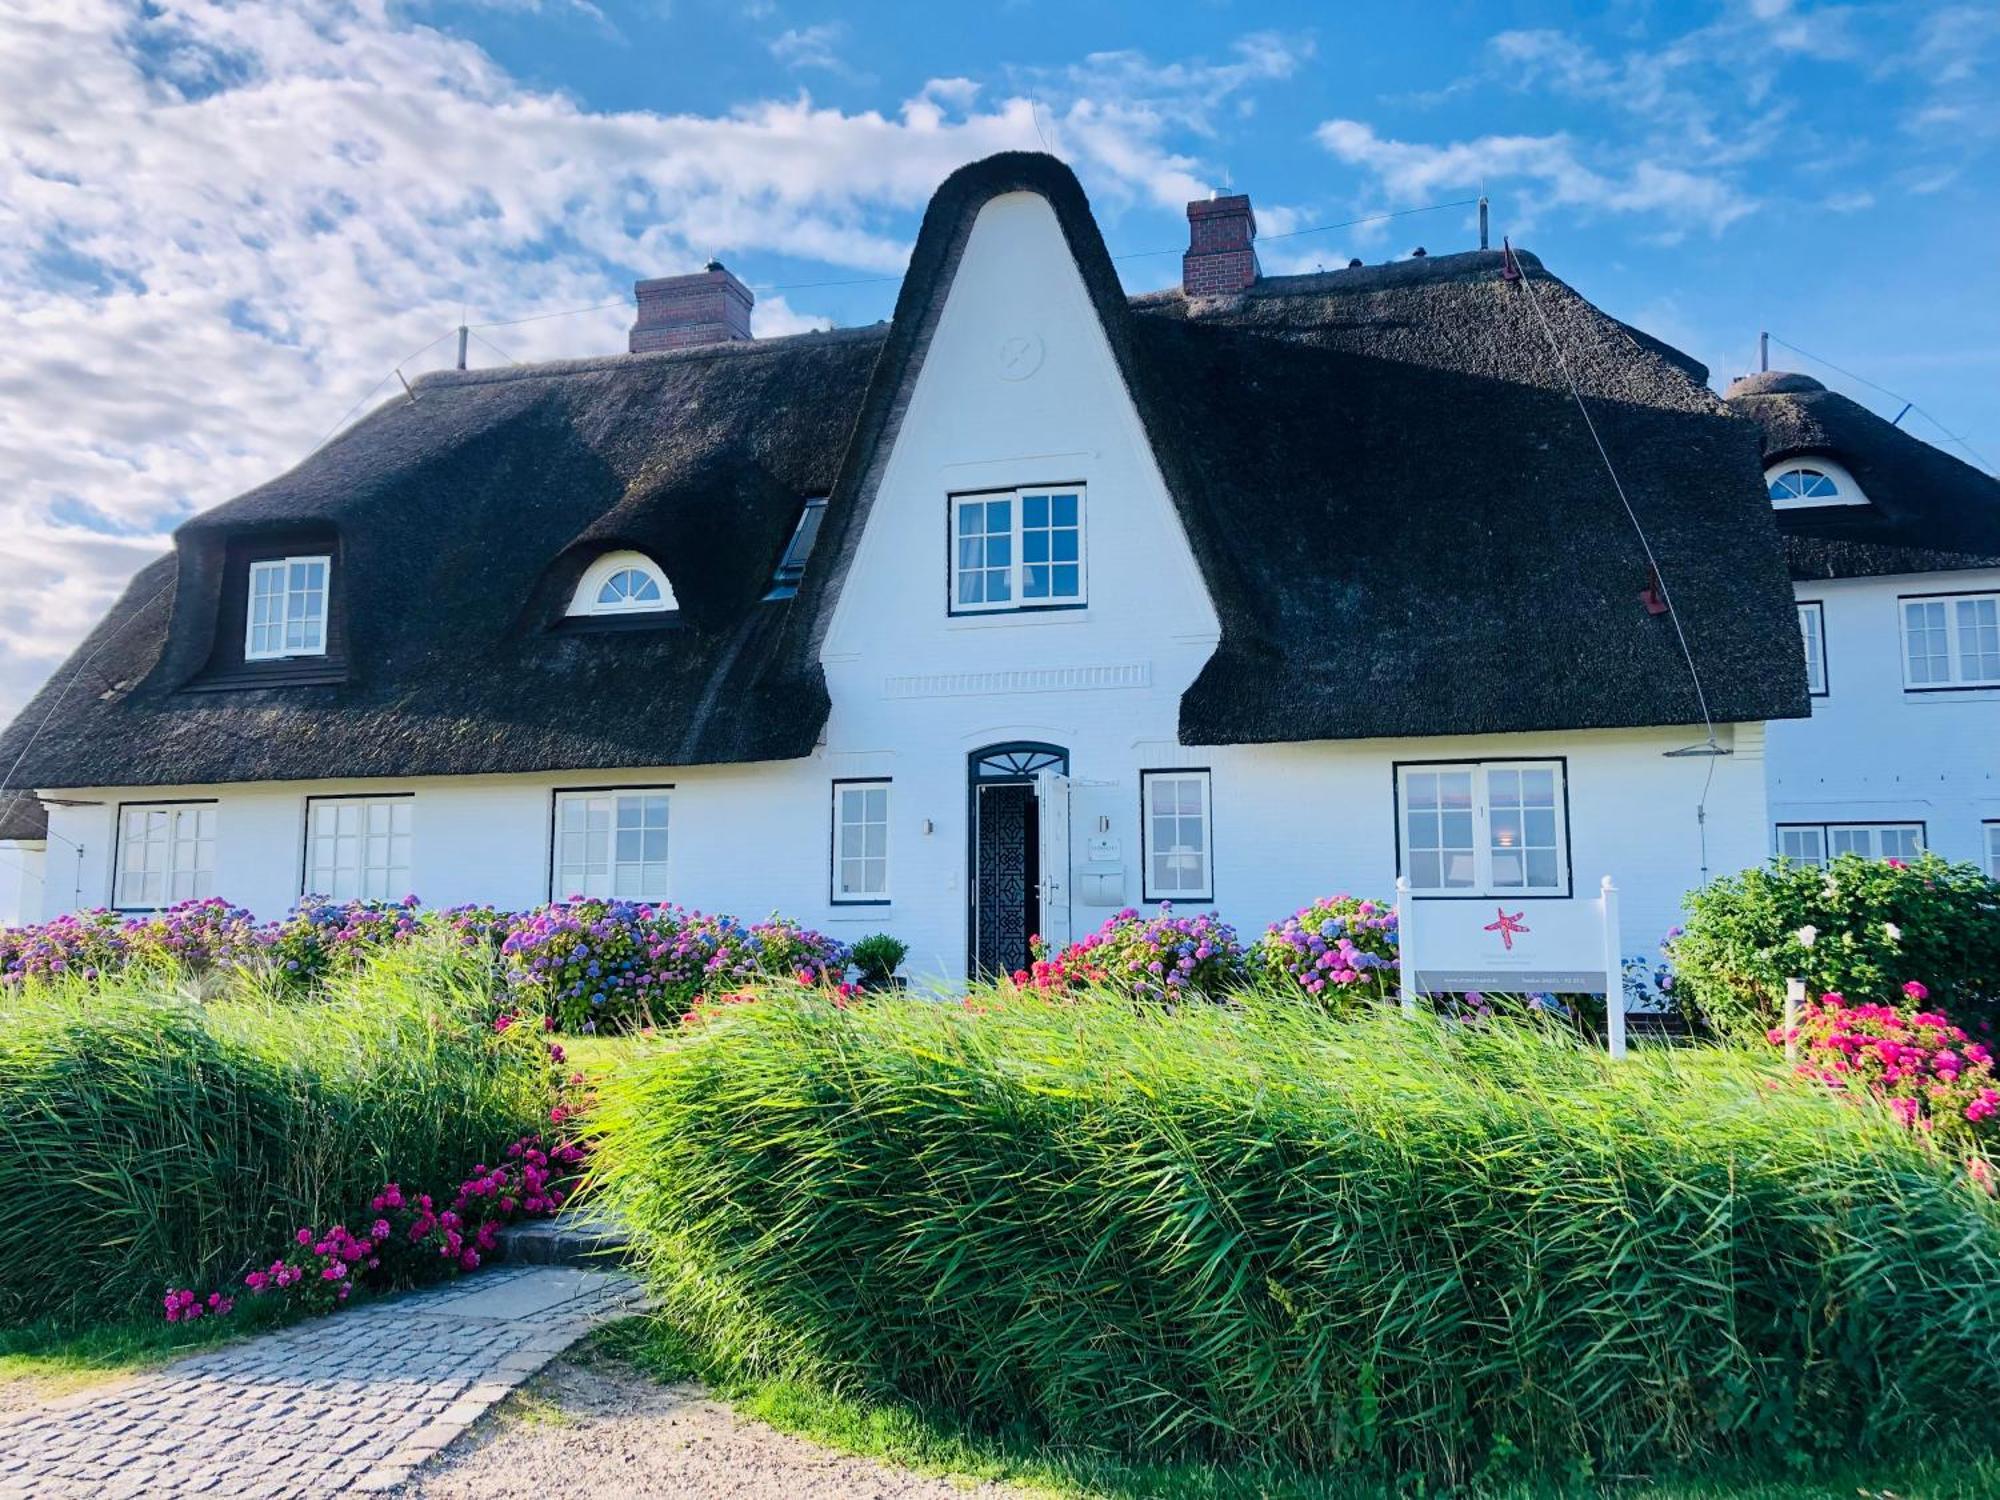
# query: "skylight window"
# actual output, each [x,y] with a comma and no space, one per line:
[792,566]
[623,583]
[1802,484]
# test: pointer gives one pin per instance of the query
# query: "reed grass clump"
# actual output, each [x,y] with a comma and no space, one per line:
[156,1129]
[1265,1234]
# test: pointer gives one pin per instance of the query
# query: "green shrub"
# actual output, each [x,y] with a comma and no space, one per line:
[877,957]
[148,1138]
[1266,1234]
[1874,925]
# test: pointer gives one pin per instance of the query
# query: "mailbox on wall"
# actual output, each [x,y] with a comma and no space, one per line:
[1100,879]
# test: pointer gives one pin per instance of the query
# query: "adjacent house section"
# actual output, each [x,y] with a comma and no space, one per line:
[1894,551]
[1036,602]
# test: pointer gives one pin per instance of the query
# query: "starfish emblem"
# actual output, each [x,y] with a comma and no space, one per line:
[1506,925]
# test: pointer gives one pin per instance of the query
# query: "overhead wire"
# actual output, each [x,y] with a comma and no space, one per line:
[1908,404]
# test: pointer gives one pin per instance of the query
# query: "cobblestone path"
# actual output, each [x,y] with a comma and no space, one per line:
[348,1404]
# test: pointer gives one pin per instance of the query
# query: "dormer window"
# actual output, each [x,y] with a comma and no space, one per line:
[623,583]
[287,613]
[1804,484]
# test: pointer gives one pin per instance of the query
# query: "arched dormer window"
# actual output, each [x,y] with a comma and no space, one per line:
[1809,481]
[623,583]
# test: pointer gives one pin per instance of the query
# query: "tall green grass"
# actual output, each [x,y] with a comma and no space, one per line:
[157,1131]
[1263,1235]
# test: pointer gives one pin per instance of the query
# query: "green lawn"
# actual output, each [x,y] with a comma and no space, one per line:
[898,1434]
[44,1359]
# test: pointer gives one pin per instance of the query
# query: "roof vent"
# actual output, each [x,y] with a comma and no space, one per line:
[683,312]
[1221,260]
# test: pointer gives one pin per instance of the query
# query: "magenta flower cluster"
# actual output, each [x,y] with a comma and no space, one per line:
[406,1237]
[1338,946]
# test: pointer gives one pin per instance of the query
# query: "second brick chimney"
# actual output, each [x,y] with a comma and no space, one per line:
[680,312]
[1221,259]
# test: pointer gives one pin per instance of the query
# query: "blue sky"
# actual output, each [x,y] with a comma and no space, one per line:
[222,225]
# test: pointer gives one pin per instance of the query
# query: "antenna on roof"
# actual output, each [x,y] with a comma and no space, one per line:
[1482,221]
[462,331]
[1764,351]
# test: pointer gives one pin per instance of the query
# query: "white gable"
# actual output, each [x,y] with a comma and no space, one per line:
[1018,387]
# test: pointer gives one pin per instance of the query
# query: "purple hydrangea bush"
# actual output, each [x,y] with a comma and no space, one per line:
[323,938]
[1162,958]
[1340,948]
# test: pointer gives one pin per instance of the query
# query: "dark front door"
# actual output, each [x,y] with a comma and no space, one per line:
[1005,905]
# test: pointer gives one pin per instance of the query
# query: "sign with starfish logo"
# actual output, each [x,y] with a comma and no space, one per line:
[1507,926]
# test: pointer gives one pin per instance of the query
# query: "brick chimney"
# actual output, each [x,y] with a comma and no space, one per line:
[1220,259]
[680,312]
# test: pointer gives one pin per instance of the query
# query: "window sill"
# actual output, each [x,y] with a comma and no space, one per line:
[1566,893]
[1033,614]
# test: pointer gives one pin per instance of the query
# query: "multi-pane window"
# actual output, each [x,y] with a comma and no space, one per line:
[1022,549]
[358,847]
[1952,642]
[1812,627]
[1993,850]
[1484,827]
[166,853]
[612,844]
[287,615]
[1806,485]
[1818,843]
[860,841]
[1178,857]
[623,583]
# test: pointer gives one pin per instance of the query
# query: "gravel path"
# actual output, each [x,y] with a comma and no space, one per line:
[592,1429]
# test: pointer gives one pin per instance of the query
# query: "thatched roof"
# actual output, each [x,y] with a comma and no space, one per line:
[22,817]
[1402,521]
[1927,511]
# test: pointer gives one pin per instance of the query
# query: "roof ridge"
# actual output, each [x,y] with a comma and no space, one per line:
[584,364]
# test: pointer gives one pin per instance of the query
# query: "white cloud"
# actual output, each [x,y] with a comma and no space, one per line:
[1539,172]
[221,220]
[810,46]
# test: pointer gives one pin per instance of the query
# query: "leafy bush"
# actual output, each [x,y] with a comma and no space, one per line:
[1262,1233]
[1164,958]
[322,938]
[1859,928]
[1340,948]
[877,957]
[79,945]
[147,1139]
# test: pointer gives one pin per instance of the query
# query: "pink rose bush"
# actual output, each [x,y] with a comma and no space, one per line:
[1339,948]
[1163,958]
[1926,1070]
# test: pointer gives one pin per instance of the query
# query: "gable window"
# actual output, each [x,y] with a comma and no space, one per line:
[1951,641]
[1483,828]
[1017,549]
[1178,858]
[287,614]
[860,843]
[1804,483]
[623,583]
[358,848]
[1819,843]
[166,854]
[792,566]
[612,844]
[1812,627]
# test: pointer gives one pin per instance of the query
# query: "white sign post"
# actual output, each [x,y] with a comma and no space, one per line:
[1406,955]
[1614,969]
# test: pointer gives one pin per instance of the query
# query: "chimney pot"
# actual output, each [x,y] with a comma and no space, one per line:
[683,312]
[1221,257]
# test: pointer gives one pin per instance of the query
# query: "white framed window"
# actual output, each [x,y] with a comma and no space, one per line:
[611,843]
[1017,549]
[1993,849]
[1484,828]
[1820,843]
[1951,641]
[287,613]
[623,583]
[1812,481]
[358,848]
[1179,855]
[1812,629]
[860,843]
[166,854]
